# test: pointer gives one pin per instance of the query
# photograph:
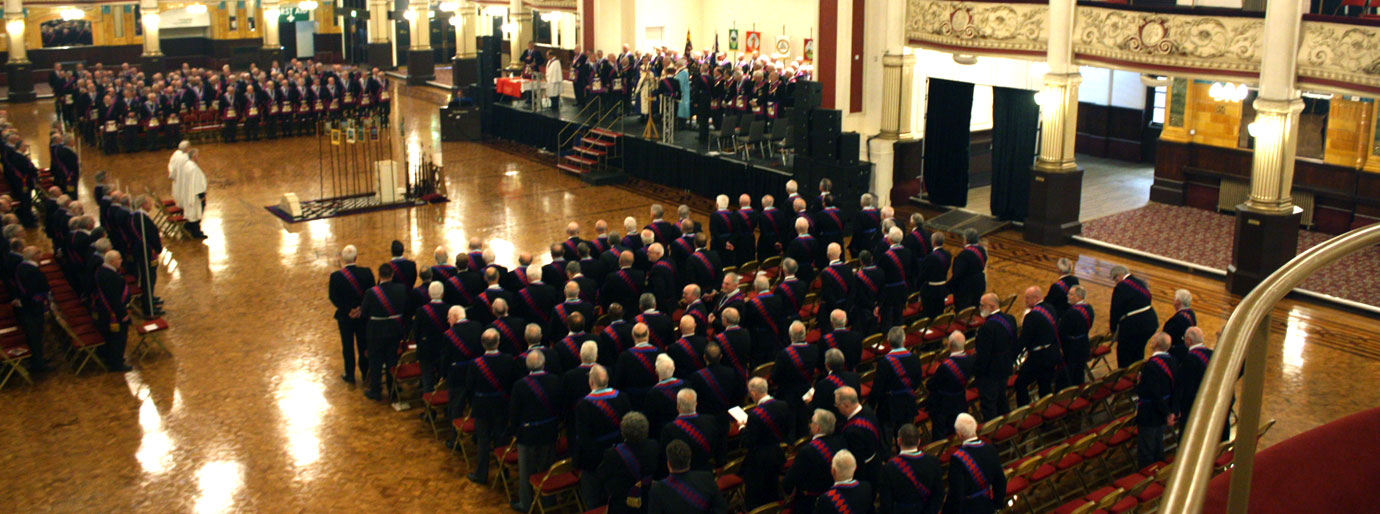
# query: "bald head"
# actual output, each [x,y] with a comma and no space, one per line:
[1032,296]
[989,303]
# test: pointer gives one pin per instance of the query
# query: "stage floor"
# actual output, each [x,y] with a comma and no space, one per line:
[633,126]
[250,415]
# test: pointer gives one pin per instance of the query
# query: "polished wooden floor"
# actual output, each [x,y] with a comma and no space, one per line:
[249,415]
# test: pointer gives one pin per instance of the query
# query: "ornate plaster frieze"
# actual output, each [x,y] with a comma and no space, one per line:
[979,27]
[1201,44]
[1336,55]
[551,5]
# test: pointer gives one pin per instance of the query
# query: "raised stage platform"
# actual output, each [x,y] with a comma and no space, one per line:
[686,164]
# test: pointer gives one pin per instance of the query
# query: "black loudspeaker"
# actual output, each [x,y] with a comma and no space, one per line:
[460,123]
[808,94]
[849,147]
[825,125]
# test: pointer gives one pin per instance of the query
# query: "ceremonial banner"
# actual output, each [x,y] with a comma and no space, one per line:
[809,50]
[732,39]
[754,42]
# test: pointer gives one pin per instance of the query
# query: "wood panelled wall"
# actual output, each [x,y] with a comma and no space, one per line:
[1199,147]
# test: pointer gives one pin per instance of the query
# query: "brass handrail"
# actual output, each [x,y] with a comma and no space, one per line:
[1246,332]
[575,126]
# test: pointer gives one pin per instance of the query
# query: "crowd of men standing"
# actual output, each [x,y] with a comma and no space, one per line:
[653,391]
[126,110]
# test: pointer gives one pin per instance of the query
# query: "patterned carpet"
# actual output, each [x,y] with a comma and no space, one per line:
[1204,237]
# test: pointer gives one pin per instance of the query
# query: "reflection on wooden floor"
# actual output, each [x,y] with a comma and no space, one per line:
[250,415]
[1109,186]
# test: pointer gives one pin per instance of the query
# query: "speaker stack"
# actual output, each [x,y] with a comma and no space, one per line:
[825,125]
[808,96]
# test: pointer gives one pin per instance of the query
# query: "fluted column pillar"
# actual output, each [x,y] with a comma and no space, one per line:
[520,18]
[421,65]
[1056,181]
[18,69]
[273,47]
[1267,223]
[465,65]
[380,49]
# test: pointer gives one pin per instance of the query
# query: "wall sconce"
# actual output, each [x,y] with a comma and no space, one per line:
[1253,128]
[197,9]
[308,5]
[71,13]
[410,15]
[152,19]
[448,6]
[15,26]
[1046,98]
[965,59]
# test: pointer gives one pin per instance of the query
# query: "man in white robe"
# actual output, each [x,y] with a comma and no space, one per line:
[189,190]
[175,163]
[554,77]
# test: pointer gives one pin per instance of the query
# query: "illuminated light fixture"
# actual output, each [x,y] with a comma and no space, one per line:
[1228,92]
[71,13]
[455,21]
[410,15]
[965,59]
[1253,128]
[509,28]
[495,10]
[448,6]
[550,16]
[197,9]
[308,5]
[353,13]
[431,14]
[152,19]
[1153,81]
[272,12]
[1046,98]
[15,26]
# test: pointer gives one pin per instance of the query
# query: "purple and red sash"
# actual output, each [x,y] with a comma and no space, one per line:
[770,422]
[903,465]
[978,478]
[488,374]
[387,306]
[694,434]
[526,295]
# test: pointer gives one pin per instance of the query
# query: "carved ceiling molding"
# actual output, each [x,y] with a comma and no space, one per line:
[1340,56]
[978,27]
[551,5]
[1206,45]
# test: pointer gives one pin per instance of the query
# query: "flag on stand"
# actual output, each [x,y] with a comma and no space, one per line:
[687,44]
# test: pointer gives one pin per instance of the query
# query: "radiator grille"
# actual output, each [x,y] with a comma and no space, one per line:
[1234,192]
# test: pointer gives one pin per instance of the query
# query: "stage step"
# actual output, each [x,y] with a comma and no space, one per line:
[604,177]
[605,133]
[580,160]
[572,169]
[589,151]
[597,142]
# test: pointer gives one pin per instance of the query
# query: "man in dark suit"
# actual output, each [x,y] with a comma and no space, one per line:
[701,432]
[993,356]
[598,419]
[868,291]
[775,227]
[836,283]
[1132,317]
[810,473]
[948,387]
[560,313]
[623,286]
[1191,372]
[867,225]
[464,285]
[703,267]
[746,245]
[575,381]
[763,316]
[718,385]
[724,226]
[661,329]
[635,371]
[462,343]
[862,433]
[145,247]
[969,280]
[791,290]
[794,372]
[1156,406]
[898,376]
[536,409]
[803,248]
[768,425]
[1176,325]
[112,319]
[382,307]
[727,297]
[837,377]
[627,468]
[537,298]
[1039,340]
[844,340]
[736,344]
[568,347]
[33,294]
[662,280]
[483,306]
[664,231]
[977,484]
[898,269]
[589,265]
[429,327]
[510,340]
[828,223]
[688,351]
[911,481]
[1073,333]
[487,388]
[918,239]
[847,495]
[1058,294]
[685,491]
[934,270]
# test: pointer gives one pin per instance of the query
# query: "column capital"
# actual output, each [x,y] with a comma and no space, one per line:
[1062,79]
[1278,107]
[891,59]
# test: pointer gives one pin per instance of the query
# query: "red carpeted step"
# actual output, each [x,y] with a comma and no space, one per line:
[597,142]
[572,169]
[605,133]
[580,160]
[589,151]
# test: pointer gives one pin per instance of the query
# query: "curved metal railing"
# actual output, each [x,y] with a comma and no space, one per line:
[1243,338]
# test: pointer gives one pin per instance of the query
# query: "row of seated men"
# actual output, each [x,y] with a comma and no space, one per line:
[90,263]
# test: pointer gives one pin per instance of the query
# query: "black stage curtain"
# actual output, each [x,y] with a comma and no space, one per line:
[1015,118]
[528,128]
[700,174]
[949,113]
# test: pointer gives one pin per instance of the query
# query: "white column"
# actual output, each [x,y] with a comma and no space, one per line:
[14,25]
[1277,108]
[269,23]
[149,12]
[379,25]
[421,25]
[897,121]
[567,30]
[1059,98]
[464,33]
[521,19]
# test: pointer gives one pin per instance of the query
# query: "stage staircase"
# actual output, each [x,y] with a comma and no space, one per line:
[592,148]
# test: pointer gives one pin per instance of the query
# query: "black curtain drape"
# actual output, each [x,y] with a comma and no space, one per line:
[948,113]
[1015,118]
